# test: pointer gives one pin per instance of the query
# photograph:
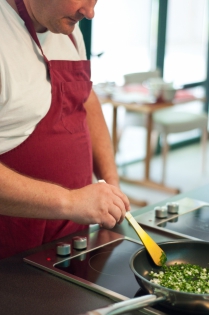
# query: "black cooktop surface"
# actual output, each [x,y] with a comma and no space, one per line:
[107,266]
[194,223]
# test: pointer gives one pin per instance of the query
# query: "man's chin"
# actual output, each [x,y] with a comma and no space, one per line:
[65,29]
[69,30]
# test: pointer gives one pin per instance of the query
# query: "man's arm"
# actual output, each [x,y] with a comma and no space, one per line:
[103,155]
[21,196]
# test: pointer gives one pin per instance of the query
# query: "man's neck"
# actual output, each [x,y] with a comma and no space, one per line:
[37,26]
[13,4]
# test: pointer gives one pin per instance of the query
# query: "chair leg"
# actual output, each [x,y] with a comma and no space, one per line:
[165,149]
[154,141]
[204,139]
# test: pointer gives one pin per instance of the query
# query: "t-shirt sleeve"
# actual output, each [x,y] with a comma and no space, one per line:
[80,42]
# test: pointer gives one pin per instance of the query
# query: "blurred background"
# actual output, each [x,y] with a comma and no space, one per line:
[134,36]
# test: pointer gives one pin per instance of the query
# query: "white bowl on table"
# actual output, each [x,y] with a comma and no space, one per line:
[160,90]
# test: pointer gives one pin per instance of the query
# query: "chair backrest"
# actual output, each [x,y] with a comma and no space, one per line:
[140,77]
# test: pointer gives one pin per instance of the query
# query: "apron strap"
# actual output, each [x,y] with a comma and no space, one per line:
[28,23]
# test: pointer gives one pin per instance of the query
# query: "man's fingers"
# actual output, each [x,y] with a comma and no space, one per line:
[118,193]
[114,205]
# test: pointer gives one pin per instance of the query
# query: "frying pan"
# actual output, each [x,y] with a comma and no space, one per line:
[181,251]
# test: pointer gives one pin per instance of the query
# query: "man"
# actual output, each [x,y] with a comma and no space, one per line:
[52,131]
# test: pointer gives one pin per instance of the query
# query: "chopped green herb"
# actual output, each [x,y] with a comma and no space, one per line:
[163,259]
[182,277]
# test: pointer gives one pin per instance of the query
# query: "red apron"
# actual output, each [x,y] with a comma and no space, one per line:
[59,150]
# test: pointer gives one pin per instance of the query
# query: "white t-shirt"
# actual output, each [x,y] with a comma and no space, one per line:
[25,90]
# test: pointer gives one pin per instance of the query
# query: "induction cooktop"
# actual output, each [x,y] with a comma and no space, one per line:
[104,269]
[191,220]
[103,266]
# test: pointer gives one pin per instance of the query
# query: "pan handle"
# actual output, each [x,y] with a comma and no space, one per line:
[128,305]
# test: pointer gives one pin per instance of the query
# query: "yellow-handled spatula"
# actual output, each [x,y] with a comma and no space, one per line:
[156,253]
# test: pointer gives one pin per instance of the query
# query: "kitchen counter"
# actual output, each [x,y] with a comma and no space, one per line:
[25,289]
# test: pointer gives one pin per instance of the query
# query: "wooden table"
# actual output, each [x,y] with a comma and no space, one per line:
[147,109]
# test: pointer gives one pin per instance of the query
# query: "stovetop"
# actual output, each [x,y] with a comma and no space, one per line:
[191,221]
[104,265]
[104,269]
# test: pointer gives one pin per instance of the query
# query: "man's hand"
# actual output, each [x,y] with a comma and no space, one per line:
[99,203]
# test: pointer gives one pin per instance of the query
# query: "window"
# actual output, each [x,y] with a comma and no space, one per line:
[186,41]
[122,31]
